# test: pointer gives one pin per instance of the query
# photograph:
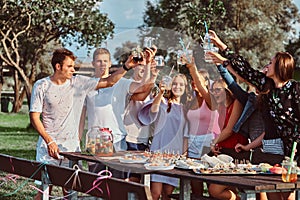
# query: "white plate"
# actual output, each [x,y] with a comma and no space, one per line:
[184,165]
[225,158]
[254,167]
[159,167]
[123,160]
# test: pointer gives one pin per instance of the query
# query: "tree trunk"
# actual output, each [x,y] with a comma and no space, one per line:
[1,80]
[16,103]
[27,87]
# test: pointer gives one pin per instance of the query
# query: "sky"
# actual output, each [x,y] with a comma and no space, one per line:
[127,15]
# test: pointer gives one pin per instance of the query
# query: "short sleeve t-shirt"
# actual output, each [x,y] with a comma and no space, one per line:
[60,107]
[106,108]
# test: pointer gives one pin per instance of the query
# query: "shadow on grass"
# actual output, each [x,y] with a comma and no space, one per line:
[22,134]
[12,129]
[26,154]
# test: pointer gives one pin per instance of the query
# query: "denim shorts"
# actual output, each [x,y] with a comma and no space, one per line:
[198,144]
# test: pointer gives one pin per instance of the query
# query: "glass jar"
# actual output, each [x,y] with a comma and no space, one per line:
[91,140]
[105,145]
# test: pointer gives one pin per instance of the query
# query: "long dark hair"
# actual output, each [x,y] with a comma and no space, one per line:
[284,71]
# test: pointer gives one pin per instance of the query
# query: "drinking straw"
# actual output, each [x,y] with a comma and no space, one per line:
[201,38]
[206,31]
[185,48]
[171,70]
[293,151]
[206,28]
[291,160]
[181,43]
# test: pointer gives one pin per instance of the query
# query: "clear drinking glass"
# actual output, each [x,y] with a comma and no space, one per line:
[188,53]
[148,42]
[159,61]
[167,81]
[207,58]
[289,171]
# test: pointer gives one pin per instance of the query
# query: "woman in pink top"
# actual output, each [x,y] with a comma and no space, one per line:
[203,125]
[203,121]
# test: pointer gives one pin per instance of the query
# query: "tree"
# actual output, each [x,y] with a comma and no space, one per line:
[121,54]
[255,29]
[26,27]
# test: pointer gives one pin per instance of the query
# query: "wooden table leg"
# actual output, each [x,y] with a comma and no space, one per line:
[185,189]
[72,194]
[248,194]
[45,183]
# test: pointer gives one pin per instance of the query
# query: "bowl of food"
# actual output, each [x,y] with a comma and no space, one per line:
[225,158]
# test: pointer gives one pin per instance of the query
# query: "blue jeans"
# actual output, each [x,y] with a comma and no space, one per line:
[121,145]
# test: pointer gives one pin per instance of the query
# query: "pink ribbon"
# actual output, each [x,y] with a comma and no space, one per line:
[76,177]
[99,180]
[50,196]
[9,177]
[12,166]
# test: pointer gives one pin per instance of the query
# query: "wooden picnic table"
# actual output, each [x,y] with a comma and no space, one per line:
[247,184]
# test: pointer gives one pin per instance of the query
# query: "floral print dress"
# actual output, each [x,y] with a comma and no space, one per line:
[282,105]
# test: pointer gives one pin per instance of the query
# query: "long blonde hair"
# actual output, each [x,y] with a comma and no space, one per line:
[170,96]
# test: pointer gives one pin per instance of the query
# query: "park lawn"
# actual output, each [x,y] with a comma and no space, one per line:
[17,140]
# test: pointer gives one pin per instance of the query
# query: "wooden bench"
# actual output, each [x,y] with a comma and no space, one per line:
[193,197]
[64,177]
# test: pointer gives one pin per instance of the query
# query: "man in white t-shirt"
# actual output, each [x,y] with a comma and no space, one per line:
[138,135]
[137,138]
[105,107]
[58,98]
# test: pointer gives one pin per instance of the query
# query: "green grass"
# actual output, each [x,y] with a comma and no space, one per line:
[15,138]
[19,140]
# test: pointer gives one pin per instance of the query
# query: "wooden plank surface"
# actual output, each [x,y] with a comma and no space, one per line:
[20,166]
[257,182]
[111,188]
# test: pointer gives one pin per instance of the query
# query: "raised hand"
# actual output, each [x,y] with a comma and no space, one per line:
[131,63]
[216,57]
[149,54]
[216,40]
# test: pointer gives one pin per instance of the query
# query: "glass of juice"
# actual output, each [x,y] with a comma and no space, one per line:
[289,171]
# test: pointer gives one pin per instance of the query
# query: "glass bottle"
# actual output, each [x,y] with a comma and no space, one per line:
[105,147]
[91,140]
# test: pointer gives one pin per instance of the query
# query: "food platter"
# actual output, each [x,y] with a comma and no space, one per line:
[239,169]
[133,158]
[189,164]
[229,171]
[152,166]
[124,160]
[257,168]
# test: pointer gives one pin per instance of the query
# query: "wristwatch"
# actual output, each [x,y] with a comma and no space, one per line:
[226,63]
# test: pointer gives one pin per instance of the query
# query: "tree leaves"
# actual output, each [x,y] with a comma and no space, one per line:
[256,28]
[26,27]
